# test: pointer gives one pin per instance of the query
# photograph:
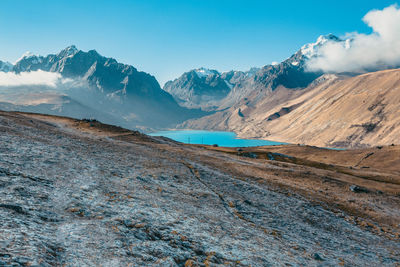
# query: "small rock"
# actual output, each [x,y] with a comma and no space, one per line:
[250,155]
[15,208]
[358,189]
[317,257]
[270,156]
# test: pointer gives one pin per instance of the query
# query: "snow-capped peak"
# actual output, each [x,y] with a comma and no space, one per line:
[69,51]
[203,72]
[25,55]
[35,59]
[311,49]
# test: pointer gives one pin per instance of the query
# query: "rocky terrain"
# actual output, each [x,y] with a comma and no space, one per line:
[78,192]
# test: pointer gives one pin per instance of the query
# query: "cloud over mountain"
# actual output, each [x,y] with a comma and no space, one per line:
[363,52]
[33,78]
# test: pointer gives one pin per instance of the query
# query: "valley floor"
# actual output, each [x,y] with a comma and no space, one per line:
[83,193]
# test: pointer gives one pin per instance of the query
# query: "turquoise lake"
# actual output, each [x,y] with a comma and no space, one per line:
[227,139]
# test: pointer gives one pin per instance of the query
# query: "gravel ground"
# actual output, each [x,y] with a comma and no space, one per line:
[73,199]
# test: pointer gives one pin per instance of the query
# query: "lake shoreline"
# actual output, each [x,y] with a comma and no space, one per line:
[220,138]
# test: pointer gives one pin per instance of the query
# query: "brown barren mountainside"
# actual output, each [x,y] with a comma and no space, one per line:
[338,112]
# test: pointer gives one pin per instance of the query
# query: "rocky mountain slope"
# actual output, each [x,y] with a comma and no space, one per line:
[84,193]
[334,112]
[132,98]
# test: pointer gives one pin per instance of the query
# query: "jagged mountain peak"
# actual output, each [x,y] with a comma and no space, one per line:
[309,50]
[68,51]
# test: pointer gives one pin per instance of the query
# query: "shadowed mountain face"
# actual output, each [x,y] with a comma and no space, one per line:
[106,74]
[133,98]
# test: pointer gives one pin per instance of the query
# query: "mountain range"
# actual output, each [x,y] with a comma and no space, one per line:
[204,88]
[267,102]
[289,102]
[90,85]
[200,87]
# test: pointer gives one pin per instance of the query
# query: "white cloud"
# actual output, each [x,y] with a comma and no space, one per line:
[33,78]
[363,52]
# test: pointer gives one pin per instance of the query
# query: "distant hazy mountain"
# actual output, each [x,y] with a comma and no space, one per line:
[204,88]
[121,91]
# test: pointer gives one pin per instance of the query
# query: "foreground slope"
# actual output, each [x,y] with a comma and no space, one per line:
[83,193]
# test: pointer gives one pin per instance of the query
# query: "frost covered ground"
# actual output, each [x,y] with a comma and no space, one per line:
[70,198]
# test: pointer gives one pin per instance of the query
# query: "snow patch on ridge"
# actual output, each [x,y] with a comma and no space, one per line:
[37,59]
[311,49]
[70,51]
[228,84]
[203,72]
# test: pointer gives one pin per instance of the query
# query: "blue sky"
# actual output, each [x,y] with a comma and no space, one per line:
[167,38]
